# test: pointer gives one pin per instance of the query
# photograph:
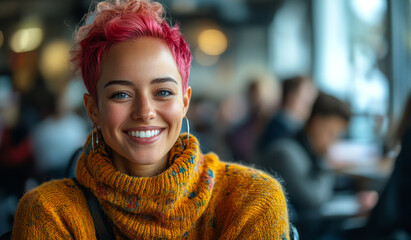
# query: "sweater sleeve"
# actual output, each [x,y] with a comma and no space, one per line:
[44,214]
[269,220]
[263,215]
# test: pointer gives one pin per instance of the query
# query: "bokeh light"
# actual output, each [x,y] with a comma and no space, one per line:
[54,61]
[25,40]
[212,42]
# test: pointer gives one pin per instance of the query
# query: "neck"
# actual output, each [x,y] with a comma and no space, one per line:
[292,115]
[311,140]
[140,170]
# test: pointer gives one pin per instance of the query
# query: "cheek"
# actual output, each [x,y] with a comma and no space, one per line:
[173,113]
[330,138]
[323,138]
[112,115]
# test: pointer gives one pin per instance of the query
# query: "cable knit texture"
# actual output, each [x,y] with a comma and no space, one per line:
[196,197]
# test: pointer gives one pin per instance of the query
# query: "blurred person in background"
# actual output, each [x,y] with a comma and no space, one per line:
[300,162]
[150,181]
[16,156]
[298,95]
[56,136]
[393,143]
[390,217]
[262,94]
[203,119]
[207,125]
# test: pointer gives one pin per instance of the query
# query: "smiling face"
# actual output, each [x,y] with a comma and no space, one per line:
[140,105]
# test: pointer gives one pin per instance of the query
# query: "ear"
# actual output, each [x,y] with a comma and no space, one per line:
[92,109]
[186,100]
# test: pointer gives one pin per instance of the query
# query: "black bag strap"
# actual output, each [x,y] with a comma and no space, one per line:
[102,226]
[71,166]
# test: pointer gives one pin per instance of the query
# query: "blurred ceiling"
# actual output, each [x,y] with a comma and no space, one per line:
[231,12]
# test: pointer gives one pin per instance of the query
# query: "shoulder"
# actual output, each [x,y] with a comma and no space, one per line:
[238,180]
[247,203]
[285,143]
[54,210]
[287,147]
[53,195]
[56,187]
[231,173]
[243,180]
[285,154]
[250,200]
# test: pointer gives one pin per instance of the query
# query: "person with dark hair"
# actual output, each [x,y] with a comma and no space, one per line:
[299,160]
[147,180]
[394,140]
[262,100]
[298,95]
[390,217]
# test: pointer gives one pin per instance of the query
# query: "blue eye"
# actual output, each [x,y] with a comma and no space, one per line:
[119,95]
[164,93]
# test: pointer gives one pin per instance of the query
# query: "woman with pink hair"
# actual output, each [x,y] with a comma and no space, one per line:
[147,180]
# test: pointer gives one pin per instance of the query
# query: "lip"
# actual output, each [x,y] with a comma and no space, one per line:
[144,141]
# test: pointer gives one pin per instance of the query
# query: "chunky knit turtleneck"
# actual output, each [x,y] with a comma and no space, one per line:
[196,197]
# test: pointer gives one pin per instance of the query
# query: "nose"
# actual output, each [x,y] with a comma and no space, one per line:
[143,109]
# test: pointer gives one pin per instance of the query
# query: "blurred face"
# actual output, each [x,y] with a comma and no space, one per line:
[323,131]
[140,105]
[304,99]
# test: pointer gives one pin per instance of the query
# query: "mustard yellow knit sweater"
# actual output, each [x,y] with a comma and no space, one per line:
[197,197]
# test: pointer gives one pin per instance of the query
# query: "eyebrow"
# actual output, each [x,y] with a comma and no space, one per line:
[119,82]
[162,80]
[129,83]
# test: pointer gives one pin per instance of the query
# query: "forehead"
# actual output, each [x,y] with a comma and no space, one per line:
[143,57]
[332,121]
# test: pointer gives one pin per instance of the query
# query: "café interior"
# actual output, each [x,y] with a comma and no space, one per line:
[358,51]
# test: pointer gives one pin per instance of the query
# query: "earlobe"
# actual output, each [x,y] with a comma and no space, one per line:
[91,108]
[186,100]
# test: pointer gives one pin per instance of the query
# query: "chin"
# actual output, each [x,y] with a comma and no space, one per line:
[146,159]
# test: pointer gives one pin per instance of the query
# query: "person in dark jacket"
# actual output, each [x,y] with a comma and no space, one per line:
[390,217]
[300,162]
[298,95]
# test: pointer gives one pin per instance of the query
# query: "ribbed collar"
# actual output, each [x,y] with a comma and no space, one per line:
[163,206]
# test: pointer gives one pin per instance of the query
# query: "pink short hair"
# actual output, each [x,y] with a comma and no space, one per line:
[117,21]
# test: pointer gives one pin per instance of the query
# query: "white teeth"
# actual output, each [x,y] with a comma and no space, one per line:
[144,134]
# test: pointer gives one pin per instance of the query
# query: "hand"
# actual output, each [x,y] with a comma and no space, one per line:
[367,199]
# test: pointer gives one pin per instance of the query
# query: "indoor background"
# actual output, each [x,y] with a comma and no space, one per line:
[356,50]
